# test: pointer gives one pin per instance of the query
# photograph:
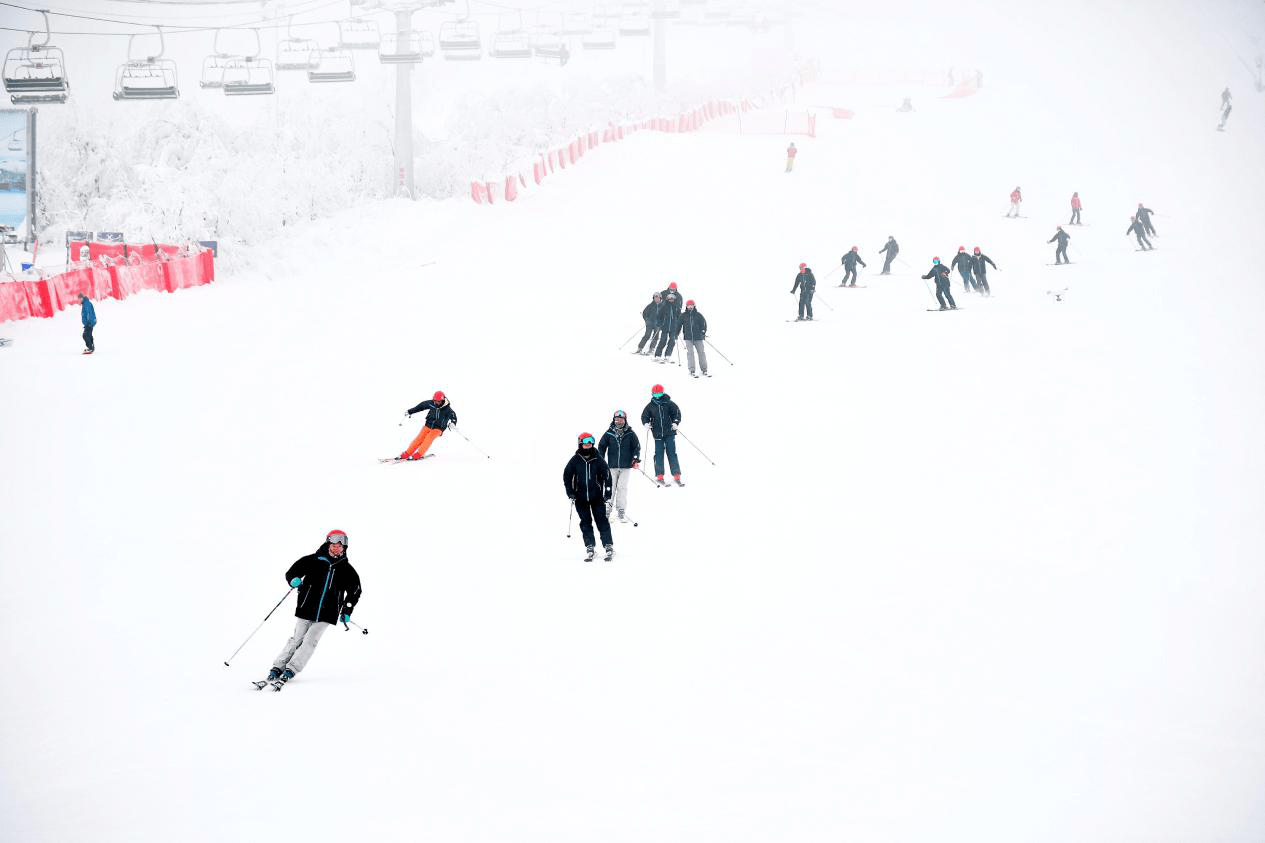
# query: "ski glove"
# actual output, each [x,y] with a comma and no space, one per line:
[346,618]
[296,582]
[451,425]
[675,425]
[636,463]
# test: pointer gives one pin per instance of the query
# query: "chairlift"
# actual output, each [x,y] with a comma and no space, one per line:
[576,23]
[150,78]
[296,53]
[634,22]
[333,64]
[358,34]
[599,39]
[402,48]
[459,40]
[213,66]
[36,73]
[249,76]
[510,45]
[546,45]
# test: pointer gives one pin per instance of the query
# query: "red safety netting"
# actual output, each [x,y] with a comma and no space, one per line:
[96,251]
[149,251]
[511,189]
[14,301]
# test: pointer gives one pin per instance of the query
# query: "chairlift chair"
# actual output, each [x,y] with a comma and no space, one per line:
[150,78]
[401,48]
[249,76]
[547,45]
[334,64]
[576,23]
[213,70]
[459,40]
[599,39]
[36,73]
[634,23]
[510,45]
[297,54]
[357,34]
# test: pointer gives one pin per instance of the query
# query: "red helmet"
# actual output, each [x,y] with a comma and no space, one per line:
[977,250]
[438,396]
[961,248]
[854,248]
[803,266]
[336,537]
[672,286]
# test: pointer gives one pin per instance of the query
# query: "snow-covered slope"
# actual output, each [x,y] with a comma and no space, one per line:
[991,575]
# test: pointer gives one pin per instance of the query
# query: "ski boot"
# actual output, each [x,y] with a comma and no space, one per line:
[677,478]
[589,553]
[610,552]
[286,676]
[658,478]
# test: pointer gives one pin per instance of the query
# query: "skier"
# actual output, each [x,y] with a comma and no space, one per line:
[1136,227]
[941,273]
[1144,217]
[891,249]
[1060,252]
[588,484]
[87,315]
[806,283]
[621,449]
[663,416]
[1016,200]
[650,315]
[790,156]
[439,417]
[963,263]
[669,327]
[1225,109]
[329,587]
[694,334]
[905,107]
[1076,210]
[672,288]
[850,261]
[981,271]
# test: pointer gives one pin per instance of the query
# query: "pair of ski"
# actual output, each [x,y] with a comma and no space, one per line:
[397,459]
[938,309]
[855,286]
[665,484]
[591,553]
[275,684]
[705,374]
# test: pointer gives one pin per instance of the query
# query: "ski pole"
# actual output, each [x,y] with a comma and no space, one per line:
[625,342]
[826,303]
[718,351]
[695,447]
[347,628]
[472,445]
[570,515]
[649,479]
[261,623]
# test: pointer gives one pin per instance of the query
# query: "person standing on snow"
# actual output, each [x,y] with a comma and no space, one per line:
[790,156]
[1144,217]
[963,263]
[694,334]
[1016,200]
[1225,109]
[621,449]
[588,484]
[1060,252]
[87,315]
[850,261]
[672,289]
[329,587]
[669,327]
[1136,227]
[650,315]
[663,416]
[439,417]
[891,249]
[1076,210]
[940,272]
[981,271]
[806,283]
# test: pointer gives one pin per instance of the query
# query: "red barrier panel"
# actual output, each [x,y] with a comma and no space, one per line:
[841,114]
[207,257]
[94,282]
[40,298]
[96,251]
[537,171]
[562,159]
[14,303]
[149,251]
[134,277]
[511,189]
[181,273]
[476,191]
[487,190]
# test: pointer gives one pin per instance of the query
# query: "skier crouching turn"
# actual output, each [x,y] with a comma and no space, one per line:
[328,587]
[439,417]
[588,484]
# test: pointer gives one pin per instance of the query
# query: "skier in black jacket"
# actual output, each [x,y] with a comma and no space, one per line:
[850,261]
[1144,216]
[439,417]
[891,250]
[940,272]
[621,449]
[981,271]
[588,484]
[672,290]
[693,335]
[329,588]
[669,327]
[663,416]
[1060,252]
[1136,227]
[806,283]
[963,264]
[650,315]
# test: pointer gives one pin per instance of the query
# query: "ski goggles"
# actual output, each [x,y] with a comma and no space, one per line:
[337,538]
[588,440]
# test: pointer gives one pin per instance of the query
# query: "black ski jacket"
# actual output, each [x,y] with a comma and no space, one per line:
[939,271]
[331,587]
[669,319]
[808,280]
[678,303]
[620,448]
[963,263]
[650,313]
[851,259]
[586,477]
[694,325]
[438,415]
[979,261]
[1144,214]
[1061,236]
[660,413]
[890,247]
[1136,227]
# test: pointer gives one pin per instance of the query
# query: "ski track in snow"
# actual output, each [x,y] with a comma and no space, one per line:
[988,578]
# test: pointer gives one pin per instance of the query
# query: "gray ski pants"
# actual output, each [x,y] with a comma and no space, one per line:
[690,347]
[620,478]
[296,652]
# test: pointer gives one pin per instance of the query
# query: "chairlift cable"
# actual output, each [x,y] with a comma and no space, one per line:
[243,24]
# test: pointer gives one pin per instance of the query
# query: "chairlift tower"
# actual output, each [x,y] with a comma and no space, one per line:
[660,46]
[402,174]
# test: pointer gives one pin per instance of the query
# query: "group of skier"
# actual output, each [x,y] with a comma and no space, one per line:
[665,321]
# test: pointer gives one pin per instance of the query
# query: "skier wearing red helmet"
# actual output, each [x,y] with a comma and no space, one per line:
[850,261]
[806,284]
[963,263]
[439,417]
